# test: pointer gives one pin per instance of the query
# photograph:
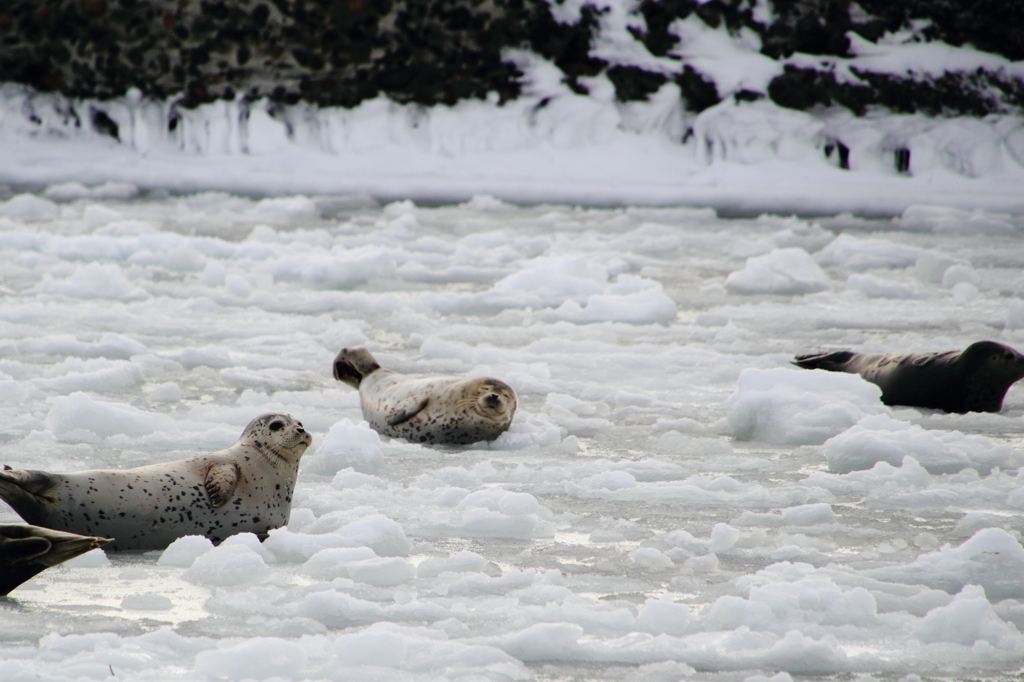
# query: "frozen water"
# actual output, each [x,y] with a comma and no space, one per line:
[674,499]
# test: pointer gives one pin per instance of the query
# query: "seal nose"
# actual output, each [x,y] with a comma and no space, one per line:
[493,399]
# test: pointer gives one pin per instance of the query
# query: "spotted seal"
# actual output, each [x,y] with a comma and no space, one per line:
[26,551]
[975,379]
[245,488]
[441,410]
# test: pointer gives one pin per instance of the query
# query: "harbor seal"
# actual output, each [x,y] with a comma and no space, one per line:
[441,410]
[975,379]
[26,551]
[245,488]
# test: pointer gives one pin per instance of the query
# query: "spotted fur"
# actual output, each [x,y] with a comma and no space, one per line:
[441,410]
[245,488]
[975,379]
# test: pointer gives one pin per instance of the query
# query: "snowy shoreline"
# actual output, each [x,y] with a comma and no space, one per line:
[742,159]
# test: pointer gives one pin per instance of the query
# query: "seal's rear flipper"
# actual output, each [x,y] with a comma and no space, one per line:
[351,365]
[26,551]
[26,491]
[406,410]
[833,362]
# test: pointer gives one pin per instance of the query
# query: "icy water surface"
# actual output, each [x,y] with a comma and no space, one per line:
[674,499]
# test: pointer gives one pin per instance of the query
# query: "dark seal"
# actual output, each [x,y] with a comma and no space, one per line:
[975,379]
[441,410]
[26,551]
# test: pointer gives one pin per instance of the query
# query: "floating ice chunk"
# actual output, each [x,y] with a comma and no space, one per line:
[864,254]
[383,649]
[168,392]
[29,207]
[12,391]
[544,642]
[331,563]
[228,564]
[650,559]
[945,219]
[96,375]
[663,616]
[930,267]
[97,215]
[487,203]
[957,274]
[632,300]
[968,619]
[185,550]
[880,438]
[461,562]
[381,571]
[497,513]
[787,603]
[991,558]
[79,411]
[286,209]
[723,538]
[258,658]
[783,271]
[384,536]
[572,288]
[610,480]
[94,280]
[347,445]
[70,191]
[797,408]
[109,345]
[809,514]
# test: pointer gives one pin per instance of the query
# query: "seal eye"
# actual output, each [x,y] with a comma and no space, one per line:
[276,425]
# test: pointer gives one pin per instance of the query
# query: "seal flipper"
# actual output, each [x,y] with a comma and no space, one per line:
[26,551]
[27,492]
[406,409]
[16,550]
[351,366]
[833,362]
[221,481]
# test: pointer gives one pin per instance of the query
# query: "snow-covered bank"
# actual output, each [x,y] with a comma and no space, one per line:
[673,499]
[552,147]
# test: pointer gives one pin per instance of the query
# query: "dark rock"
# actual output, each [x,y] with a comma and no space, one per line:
[342,52]
[104,125]
[633,83]
[698,92]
